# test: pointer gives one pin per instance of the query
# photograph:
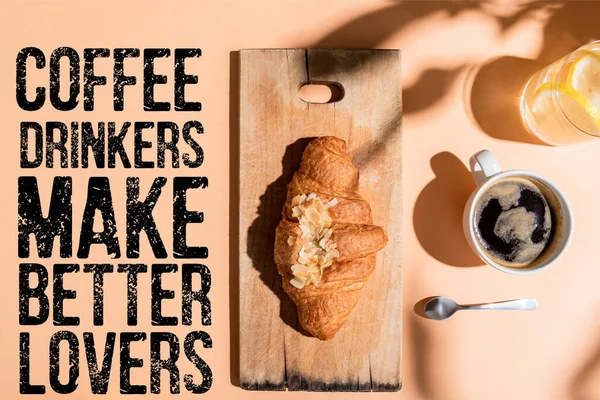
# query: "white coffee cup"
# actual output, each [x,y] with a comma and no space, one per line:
[486,171]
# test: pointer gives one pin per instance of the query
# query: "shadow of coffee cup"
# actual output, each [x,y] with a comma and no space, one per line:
[487,173]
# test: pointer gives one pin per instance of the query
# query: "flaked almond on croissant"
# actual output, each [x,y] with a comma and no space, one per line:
[325,244]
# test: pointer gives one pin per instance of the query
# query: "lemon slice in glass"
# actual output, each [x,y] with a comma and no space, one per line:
[584,76]
[572,101]
[579,96]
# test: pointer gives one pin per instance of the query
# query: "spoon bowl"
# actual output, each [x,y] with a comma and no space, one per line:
[440,308]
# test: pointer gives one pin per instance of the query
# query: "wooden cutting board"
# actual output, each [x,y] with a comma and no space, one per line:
[274,126]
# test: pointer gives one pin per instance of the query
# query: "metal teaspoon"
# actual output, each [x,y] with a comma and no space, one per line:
[440,308]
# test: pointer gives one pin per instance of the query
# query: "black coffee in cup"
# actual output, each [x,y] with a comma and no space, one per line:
[514,222]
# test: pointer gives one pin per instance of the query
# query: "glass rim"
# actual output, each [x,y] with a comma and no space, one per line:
[555,91]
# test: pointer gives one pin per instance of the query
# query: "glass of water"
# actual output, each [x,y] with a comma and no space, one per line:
[561,103]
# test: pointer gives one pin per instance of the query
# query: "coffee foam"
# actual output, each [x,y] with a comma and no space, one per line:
[556,230]
[511,224]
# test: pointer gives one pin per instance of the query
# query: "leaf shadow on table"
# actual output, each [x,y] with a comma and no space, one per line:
[372,29]
[434,82]
[493,97]
[437,216]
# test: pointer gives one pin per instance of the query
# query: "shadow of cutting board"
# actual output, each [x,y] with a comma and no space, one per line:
[275,123]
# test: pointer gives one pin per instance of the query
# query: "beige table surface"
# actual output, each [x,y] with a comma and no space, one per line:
[463,65]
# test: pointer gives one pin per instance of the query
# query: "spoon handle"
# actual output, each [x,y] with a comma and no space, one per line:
[521,304]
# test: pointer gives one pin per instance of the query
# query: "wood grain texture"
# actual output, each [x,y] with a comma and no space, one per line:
[275,126]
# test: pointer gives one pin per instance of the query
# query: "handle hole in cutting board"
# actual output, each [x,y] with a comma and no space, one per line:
[321,92]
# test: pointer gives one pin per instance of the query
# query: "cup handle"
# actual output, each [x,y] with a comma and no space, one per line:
[483,166]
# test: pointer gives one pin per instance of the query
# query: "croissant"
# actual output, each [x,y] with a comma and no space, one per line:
[325,244]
